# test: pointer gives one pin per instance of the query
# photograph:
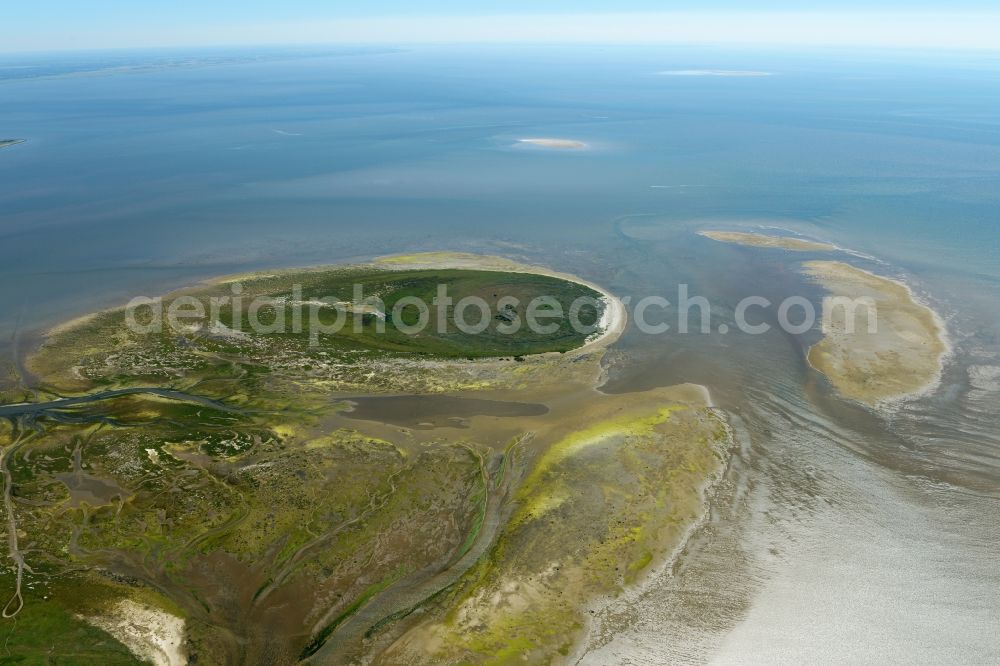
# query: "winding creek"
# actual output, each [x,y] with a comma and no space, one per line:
[13,411]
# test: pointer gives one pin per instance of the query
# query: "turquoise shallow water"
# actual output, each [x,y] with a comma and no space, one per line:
[146,171]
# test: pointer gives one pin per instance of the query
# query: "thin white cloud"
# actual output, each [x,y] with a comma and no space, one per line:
[898,29]
[736,73]
[912,29]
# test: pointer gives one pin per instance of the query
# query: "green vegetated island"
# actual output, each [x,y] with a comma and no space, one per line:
[217,494]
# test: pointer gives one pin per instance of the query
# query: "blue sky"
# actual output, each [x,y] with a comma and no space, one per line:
[54,24]
[228,10]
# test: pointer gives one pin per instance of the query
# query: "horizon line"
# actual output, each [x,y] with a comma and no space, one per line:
[927,30]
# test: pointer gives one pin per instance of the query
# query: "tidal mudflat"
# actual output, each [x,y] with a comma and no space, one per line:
[272,510]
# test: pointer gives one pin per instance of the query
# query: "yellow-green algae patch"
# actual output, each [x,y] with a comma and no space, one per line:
[600,506]
[534,502]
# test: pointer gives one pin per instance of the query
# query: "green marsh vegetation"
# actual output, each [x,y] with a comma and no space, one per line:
[227,488]
[104,351]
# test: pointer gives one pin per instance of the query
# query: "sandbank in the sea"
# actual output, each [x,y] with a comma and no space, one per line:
[777,242]
[554,144]
[900,357]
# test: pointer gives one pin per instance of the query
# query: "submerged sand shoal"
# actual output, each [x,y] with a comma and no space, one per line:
[557,144]
[760,240]
[900,356]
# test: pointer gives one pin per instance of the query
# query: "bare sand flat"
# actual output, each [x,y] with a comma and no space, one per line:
[760,240]
[903,357]
[151,634]
[555,144]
